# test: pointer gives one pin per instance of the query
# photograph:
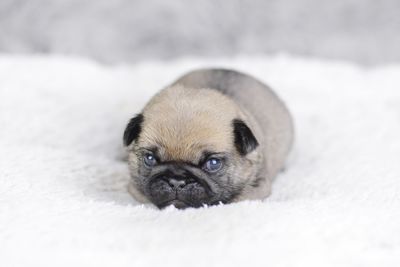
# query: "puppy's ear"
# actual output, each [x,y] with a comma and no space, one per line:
[133,129]
[245,141]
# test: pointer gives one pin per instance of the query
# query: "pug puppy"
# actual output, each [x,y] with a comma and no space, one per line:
[213,136]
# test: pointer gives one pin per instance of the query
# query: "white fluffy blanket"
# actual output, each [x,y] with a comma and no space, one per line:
[63,200]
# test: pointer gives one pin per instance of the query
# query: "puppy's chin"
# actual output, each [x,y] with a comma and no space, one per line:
[176,203]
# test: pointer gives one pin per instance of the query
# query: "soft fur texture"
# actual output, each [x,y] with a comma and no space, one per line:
[63,198]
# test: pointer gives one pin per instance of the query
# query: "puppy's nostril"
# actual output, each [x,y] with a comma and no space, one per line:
[176,183]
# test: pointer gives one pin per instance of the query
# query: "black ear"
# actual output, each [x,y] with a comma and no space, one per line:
[133,129]
[245,141]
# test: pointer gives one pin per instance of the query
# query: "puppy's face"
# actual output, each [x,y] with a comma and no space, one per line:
[189,148]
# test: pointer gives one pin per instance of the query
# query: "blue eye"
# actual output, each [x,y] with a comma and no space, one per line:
[213,165]
[149,160]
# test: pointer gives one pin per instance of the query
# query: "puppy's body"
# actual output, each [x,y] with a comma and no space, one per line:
[266,115]
[221,115]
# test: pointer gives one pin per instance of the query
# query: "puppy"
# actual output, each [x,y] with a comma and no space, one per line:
[213,136]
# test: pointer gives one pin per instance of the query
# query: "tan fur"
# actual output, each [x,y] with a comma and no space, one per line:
[183,122]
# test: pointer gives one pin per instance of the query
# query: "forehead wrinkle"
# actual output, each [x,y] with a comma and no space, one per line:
[185,140]
[184,152]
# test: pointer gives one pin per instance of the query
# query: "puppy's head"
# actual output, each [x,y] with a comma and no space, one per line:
[191,147]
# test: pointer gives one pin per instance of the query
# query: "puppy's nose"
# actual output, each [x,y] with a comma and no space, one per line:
[176,183]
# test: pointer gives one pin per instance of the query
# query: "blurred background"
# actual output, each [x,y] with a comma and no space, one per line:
[115,31]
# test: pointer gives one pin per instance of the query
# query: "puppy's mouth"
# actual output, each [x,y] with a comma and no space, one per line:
[181,192]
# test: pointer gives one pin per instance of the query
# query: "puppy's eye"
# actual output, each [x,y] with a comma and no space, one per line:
[213,165]
[149,160]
